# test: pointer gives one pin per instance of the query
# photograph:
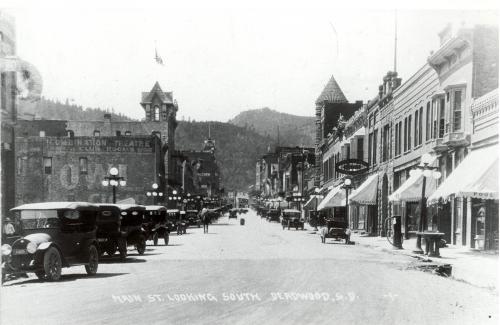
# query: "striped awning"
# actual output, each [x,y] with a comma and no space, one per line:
[366,193]
[476,177]
[411,190]
[334,198]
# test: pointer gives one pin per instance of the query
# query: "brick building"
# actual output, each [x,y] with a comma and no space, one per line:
[440,110]
[67,160]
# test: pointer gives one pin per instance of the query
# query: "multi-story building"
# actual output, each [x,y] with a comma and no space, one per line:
[446,109]
[67,160]
[439,98]
[20,82]
[330,106]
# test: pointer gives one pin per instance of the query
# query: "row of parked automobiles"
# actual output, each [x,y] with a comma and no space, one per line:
[336,228]
[289,218]
[54,235]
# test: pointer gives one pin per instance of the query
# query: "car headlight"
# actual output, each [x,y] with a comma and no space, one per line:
[6,249]
[31,247]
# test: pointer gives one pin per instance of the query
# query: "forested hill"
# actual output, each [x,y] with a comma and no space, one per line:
[293,130]
[237,149]
[54,110]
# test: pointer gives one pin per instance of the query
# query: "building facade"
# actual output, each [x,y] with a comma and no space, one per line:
[437,111]
[67,160]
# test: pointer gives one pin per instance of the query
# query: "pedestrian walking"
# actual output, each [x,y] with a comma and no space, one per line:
[205,217]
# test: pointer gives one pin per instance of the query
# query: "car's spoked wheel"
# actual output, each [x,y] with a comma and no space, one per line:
[155,239]
[52,264]
[141,245]
[166,237]
[91,268]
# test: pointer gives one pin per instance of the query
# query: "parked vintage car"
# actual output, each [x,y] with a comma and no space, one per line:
[336,228]
[55,235]
[193,218]
[273,215]
[291,218]
[132,217]
[155,224]
[233,213]
[176,218]
[109,233]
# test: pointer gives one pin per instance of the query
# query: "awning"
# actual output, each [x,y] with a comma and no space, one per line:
[313,202]
[366,193]
[411,190]
[334,198]
[476,176]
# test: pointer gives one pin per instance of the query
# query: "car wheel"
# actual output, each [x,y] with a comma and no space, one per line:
[52,264]
[166,238]
[91,268]
[122,248]
[40,275]
[155,239]
[141,245]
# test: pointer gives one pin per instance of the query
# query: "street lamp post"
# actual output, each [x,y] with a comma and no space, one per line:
[347,186]
[316,217]
[154,193]
[426,171]
[114,180]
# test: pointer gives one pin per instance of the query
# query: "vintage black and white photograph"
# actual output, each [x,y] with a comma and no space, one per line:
[259,162]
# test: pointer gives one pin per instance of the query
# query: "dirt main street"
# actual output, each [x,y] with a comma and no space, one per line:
[252,274]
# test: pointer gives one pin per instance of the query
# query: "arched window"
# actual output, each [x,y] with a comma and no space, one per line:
[157,113]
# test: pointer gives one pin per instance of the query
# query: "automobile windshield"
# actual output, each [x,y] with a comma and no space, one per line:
[39,219]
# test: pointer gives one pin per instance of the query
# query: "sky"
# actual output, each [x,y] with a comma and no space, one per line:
[220,60]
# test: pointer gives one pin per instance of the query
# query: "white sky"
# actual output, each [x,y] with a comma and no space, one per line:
[219,60]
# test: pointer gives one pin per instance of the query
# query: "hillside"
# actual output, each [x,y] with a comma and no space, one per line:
[237,149]
[55,110]
[294,130]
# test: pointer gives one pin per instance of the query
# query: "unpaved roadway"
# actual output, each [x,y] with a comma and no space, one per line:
[252,274]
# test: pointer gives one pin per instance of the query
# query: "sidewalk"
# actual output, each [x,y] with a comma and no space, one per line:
[473,267]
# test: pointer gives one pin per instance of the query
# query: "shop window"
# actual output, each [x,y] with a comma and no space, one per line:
[83,166]
[47,165]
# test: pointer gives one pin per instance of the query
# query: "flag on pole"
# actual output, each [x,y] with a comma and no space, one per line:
[158,58]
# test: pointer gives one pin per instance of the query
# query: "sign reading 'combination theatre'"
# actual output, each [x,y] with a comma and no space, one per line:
[93,144]
[351,167]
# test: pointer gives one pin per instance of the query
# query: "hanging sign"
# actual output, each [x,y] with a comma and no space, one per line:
[351,167]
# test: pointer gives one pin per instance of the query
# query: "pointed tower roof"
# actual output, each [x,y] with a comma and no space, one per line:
[332,93]
[165,97]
